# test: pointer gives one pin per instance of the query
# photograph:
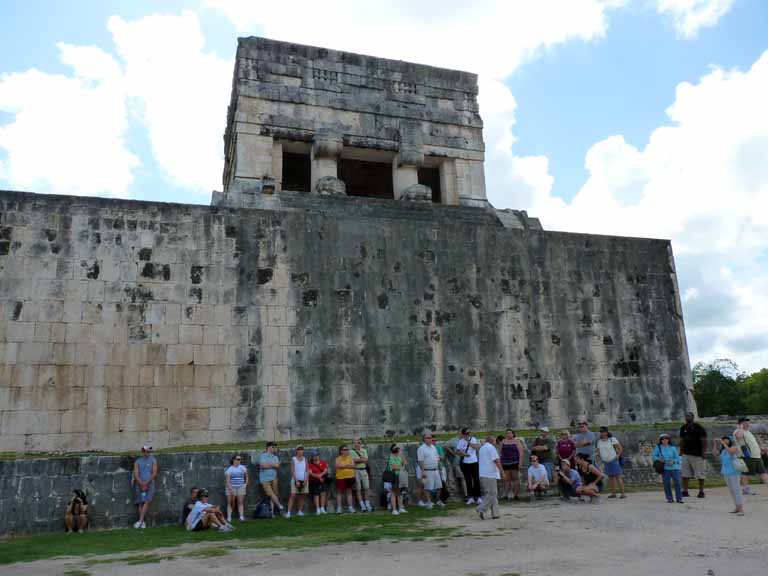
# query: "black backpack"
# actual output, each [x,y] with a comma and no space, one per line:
[263,509]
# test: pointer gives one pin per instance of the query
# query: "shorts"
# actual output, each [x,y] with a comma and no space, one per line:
[317,488]
[388,486]
[418,472]
[431,480]
[693,467]
[362,480]
[235,490]
[149,494]
[199,527]
[568,490]
[612,468]
[755,466]
[344,484]
[402,480]
[508,467]
[270,488]
[304,488]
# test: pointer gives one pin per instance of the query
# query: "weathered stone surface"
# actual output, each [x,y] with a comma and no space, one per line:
[330,186]
[417,193]
[322,316]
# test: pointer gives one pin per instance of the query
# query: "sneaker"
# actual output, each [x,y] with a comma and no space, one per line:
[229,517]
[137,525]
[395,513]
[470,501]
[479,500]
[242,518]
[622,496]
[612,496]
[368,506]
[670,502]
[318,512]
[339,511]
[440,503]
[402,510]
[481,514]
[363,508]
[143,525]
[685,494]
[421,503]
[301,513]
[429,505]
[352,510]
[701,494]
[287,515]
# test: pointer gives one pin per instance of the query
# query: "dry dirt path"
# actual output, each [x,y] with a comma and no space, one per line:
[642,535]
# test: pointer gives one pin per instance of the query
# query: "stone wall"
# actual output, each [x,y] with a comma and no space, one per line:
[127,322]
[34,491]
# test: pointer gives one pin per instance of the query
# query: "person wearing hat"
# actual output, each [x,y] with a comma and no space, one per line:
[467,448]
[235,484]
[544,448]
[204,515]
[610,451]
[667,452]
[319,476]
[693,445]
[750,449]
[144,473]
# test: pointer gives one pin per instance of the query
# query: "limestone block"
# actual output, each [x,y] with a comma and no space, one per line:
[253,156]
[14,444]
[416,193]
[31,422]
[168,397]
[74,421]
[73,310]
[42,332]
[143,397]
[23,375]
[187,419]
[210,335]
[51,311]
[146,375]
[35,353]
[185,376]
[20,332]
[190,334]
[6,372]
[189,437]
[195,397]
[271,335]
[117,376]
[205,355]
[180,354]
[156,354]
[78,333]
[119,397]
[96,291]
[173,313]
[279,376]
[85,354]
[165,376]
[243,418]
[5,398]
[273,355]
[276,315]
[220,418]
[55,442]
[328,185]
[10,352]
[165,334]
[155,313]
[202,378]
[233,334]
[291,316]
[226,396]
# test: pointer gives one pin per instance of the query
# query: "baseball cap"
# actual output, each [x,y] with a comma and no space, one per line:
[202,493]
[544,428]
[743,419]
[146,448]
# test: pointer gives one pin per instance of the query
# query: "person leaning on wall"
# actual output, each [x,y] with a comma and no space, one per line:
[144,473]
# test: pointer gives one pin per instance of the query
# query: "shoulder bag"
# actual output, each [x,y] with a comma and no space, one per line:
[658,464]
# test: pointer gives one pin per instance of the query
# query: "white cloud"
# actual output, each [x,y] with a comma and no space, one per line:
[689,16]
[702,181]
[67,132]
[180,92]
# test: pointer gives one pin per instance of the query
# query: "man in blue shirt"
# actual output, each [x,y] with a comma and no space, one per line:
[269,464]
[585,441]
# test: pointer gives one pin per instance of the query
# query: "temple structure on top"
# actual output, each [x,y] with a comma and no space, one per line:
[307,119]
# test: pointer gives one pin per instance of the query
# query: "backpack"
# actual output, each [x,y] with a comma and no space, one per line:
[263,509]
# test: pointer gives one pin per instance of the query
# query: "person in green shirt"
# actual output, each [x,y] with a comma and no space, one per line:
[395,465]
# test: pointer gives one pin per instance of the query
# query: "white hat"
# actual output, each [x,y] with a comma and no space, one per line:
[544,428]
[146,448]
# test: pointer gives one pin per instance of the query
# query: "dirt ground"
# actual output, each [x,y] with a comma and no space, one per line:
[642,535]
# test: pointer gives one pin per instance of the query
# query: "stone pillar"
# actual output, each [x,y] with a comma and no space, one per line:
[326,149]
[405,168]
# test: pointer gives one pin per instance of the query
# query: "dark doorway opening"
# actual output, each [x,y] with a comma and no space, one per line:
[431,177]
[369,179]
[297,172]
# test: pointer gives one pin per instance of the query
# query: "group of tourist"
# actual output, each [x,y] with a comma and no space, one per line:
[483,472]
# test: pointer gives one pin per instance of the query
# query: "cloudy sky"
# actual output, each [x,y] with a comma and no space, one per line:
[634,117]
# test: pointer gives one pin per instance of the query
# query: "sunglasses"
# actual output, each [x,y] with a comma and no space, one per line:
[345,449]
[237,459]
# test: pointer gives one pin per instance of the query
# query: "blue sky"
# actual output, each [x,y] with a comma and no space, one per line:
[632,117]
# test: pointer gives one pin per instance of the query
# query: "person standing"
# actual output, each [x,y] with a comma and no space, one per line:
[269,464]
[585,441]
[345,480]
[728,452]
[299,482]
[544,448]
[489,472]
[610,453]
[566,449]
[693,445]
[467,448]
[668,453]
[512,452]
[394,467]
[429,461]
[362,478]
[236,478]
[144,474]
[455,464]
[750,450]
[318,482]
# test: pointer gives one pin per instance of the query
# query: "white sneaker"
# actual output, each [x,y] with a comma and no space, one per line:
[479,501]
[395,513]
[368,506]
[440,503]
[137,525]
[318,512]
[429,506]
[420,503]
[287,515]
[323,510]
[301,513]
[229,517]
[339,511]
[470,502]
[352,510]
[143,525]
[242,518]
[402,510]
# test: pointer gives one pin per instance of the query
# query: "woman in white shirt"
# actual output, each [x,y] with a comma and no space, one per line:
[299,482]
[236,477]
[610,453]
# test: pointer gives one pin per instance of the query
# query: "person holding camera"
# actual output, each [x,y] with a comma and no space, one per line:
[299,482]
[76,517]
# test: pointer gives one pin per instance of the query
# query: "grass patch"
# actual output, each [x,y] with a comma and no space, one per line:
[76,572]
[307,532]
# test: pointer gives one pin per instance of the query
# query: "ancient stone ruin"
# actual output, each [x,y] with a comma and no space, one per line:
[351,278]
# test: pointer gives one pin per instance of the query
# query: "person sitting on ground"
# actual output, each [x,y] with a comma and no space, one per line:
[395,465]
[236,483]
[144,474]
[299,482]
[429,462]
[591,479]
[728,452]
[269,464]
[345,480]
[566,449]
[538,479]
[511,453]
[76,515]
[204,515]
[568,480]
[362,479]
[188,505]
[610,450]
[668,453]
[319,476]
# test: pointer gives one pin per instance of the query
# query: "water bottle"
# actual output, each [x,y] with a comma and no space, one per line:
[143,497]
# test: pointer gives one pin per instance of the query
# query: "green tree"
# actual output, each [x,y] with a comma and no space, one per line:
[718,388]
[756,392]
